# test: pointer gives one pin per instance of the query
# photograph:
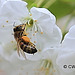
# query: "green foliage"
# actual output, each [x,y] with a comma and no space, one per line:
[60,9]
[68,0]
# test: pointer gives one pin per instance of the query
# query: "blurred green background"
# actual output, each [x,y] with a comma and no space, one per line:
[60,8]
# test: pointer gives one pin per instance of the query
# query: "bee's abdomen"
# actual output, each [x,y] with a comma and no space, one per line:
[26,47]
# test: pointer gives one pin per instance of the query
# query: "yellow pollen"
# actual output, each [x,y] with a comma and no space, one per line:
[3,26]
[35,31]
[34,41]
[41,32]
[35,20]
[7,21]
[33,34]
[25,38]
[29,24]
[30,14]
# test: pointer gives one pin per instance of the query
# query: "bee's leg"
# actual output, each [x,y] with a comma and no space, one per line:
[23,54]
[14,24]
[18,49]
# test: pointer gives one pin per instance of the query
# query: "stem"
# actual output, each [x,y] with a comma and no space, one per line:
[64,29]
[39,2]
[49,3]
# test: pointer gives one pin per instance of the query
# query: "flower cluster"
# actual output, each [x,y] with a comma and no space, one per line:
[53,56]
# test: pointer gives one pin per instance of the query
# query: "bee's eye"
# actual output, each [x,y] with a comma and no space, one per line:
[19,28]
[14,30]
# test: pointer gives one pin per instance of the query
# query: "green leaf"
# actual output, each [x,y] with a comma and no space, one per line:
[60,9]
[68,0]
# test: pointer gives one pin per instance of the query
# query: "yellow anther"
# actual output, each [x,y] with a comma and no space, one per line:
[35,20]
[29,24]
[41,32]
[33,34]
[7,21]
[30,14]
[35,31]
[34,41]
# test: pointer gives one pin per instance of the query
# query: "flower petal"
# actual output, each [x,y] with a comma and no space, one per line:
[44,18]
[11,12]
[51,35]
[69,40]
[66,61]
[1,2]
[66,57]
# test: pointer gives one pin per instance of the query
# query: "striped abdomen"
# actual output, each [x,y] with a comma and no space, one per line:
[27,47]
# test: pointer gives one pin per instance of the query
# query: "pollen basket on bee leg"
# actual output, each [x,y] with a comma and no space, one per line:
[25,38]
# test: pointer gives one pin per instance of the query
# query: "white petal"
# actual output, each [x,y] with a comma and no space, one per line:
[11,11]
[69,40]
[67,52]
[14,9]
[51,36]
[1,2]
[37,13]
[66,61]
[45,42]
[44,18]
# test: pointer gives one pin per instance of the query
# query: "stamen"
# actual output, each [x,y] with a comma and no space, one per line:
[34,41]
[35,20]
[33,34]
[7,21]
[35,28]
[35,31]
[41,32]
[29,24]
[40,29]
[46,65]
[30,14]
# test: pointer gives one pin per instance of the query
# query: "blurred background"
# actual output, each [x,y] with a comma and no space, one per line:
[64,10]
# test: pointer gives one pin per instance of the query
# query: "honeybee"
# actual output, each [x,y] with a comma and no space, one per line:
[23,42]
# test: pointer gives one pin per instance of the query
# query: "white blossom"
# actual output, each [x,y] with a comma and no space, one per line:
[43,32]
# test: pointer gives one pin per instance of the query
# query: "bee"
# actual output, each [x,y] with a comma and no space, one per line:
[23,42]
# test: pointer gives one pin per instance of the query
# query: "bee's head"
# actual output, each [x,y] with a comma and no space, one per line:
[19,28]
